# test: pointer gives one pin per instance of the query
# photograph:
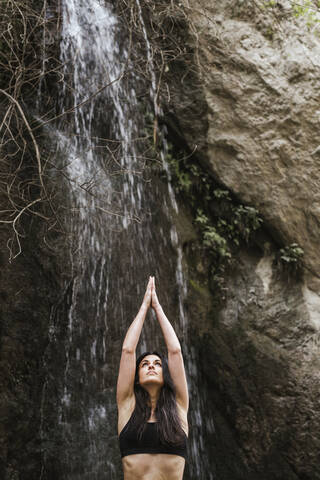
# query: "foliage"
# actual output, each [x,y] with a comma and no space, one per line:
[291,255]
[305,9]
[222,222]
[270,3]
[211,238]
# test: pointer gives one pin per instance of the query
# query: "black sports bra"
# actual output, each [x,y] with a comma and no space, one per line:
[130,444]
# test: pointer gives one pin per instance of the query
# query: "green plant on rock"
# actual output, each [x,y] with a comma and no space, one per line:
[211,239]
[302,8]
[247,219]
[222,194]
[291,256]
[269,4]
[187,179]
[306,9]
[223,224]
[182,178]
[212,206]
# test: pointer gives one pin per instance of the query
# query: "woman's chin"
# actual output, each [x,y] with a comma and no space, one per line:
[152,380]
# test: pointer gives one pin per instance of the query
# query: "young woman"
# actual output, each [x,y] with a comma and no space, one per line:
[152,399]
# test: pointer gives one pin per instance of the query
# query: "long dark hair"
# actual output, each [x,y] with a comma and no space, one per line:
[168,422]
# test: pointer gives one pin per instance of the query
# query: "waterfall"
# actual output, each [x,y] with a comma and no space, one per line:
[120,232]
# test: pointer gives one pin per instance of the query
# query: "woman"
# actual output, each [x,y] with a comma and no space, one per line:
[152,399]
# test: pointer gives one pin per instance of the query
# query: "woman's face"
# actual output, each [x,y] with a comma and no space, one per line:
[150,371]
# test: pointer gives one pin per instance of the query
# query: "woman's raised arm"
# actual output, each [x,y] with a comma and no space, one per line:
[175,358]
[128,356]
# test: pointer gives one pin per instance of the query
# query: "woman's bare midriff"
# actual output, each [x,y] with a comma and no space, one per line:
[158,466]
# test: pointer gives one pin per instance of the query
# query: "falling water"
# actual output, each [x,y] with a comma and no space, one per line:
[200,467]
[121,231]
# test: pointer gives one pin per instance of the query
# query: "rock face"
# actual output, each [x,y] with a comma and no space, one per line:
[29,289]
[259,72]
[260,357]
[256,128]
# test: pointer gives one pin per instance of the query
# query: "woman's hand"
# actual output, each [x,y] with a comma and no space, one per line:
[147,296]
[154,299]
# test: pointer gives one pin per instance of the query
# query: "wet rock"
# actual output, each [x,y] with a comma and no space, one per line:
[29,288]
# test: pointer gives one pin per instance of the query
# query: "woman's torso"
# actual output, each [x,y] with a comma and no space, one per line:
[150,466]
[158,466]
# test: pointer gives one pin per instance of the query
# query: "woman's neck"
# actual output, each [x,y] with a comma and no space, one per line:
[154,393]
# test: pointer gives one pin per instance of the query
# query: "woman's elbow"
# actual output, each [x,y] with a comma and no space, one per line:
[128,350]
[176,350]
